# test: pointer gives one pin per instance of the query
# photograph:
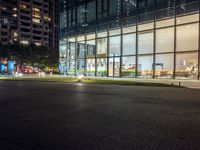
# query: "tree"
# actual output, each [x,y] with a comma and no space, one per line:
[4,52]
[31,55]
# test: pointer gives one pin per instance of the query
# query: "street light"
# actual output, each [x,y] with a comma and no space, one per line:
[80,78]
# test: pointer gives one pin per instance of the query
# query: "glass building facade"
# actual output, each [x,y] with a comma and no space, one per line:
[130,38]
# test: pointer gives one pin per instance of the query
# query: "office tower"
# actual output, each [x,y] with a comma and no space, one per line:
[130,38]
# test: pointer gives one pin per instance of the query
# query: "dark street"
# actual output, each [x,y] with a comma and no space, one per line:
[58,116]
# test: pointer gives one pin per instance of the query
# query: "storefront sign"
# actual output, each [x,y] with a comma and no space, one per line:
[10,65]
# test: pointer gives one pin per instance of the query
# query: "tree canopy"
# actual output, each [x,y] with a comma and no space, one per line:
[32,55]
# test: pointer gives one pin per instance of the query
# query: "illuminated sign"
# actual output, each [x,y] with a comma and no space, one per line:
[2,67]
[10,65]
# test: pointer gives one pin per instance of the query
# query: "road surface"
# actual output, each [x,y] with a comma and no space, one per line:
[58,116]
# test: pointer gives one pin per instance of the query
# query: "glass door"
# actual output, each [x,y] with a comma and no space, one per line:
[114,67]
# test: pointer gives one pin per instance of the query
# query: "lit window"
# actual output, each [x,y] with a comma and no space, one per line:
[36,15]
[36,9]
[23,6]
[24,42]
[36,20]
[47,18]
[3,8]
[15,34]
[187,37]
[38,44]
[14,15]
[187,19]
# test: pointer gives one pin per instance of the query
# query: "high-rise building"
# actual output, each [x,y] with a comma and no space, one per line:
[30,21]
[8,20]
[130,38]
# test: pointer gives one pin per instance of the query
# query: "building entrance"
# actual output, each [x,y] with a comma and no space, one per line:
[114,67]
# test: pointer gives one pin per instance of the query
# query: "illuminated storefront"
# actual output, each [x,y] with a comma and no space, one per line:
[131,38]
[7,66]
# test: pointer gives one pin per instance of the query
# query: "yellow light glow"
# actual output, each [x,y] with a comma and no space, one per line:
[24,42]
[14,15]
[38,44]
[36,20]
[36,9]
[23,6]
[15,34]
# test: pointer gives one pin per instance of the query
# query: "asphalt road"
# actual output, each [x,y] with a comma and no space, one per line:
[56,116]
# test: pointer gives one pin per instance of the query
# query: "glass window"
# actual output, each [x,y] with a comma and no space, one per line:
[131,21]
[62,66]
[187,19]
[71,39]
[129,29]
[71,17]
[165,23]
[166,13]
[63,49]
[91,48]
[146,5]
[102,8]
[115,32]
[187,37]
[148,17]
[114,67]
[102,34]
[105,8]
[99,8]
[185,2]
[187,66]
[102,67]
[145,26]
[164,40]
[72,50]
[62,20]
[72,67]
[80,67]
[114,27]
[90,67]
[145,43]
[129,7]
[80,38]
[102,30]
[187,6]
[81,17]
[102,47]
[114,7]
[129,44]
[164,65]
[163,4]
[128,66]
[114,46]
[91,29]
[145,66]
[90,36]
[91,12]
[81,50]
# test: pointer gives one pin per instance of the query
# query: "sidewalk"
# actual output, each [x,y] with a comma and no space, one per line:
[194,84]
